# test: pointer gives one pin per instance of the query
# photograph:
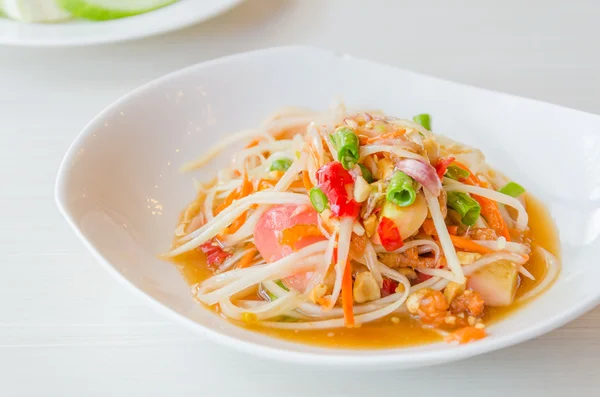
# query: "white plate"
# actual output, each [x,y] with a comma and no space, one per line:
[82,32]
[120,190]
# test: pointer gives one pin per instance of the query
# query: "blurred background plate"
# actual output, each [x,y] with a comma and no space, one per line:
[82,32]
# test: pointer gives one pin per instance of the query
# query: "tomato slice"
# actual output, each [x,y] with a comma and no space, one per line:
[270,227]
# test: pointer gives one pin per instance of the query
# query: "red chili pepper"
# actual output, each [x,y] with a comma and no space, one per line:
[420,278]
[389,287]
[332,179]
[214,253]
[442,166]
[389,234]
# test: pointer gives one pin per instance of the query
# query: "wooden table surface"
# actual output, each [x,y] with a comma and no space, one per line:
[68,329]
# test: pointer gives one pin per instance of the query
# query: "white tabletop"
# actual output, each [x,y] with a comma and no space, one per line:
[67,328]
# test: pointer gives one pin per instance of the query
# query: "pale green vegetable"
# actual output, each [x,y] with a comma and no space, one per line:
[33,10]
[102,10]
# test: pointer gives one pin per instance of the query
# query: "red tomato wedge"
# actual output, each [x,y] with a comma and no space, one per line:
[268,232]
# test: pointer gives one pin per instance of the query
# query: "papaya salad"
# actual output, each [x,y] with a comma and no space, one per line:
[337,220]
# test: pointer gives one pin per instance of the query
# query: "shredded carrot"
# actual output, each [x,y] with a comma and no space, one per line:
[386,135]
[246,260]
[246,187]
[253,143]
[292,235]
[469,245]
[452,229]
[228,200]
[234,227]
[429,227]
[347,299]
[489,208]
[465,335]
[297,184]
[264,184]
[306,180]
[245,190]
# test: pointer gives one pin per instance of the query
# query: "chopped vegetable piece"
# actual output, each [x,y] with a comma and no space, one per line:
[389,287]
[389,234]
[281,284]
[318,199]
[347,298]
[247,258]
[214,253]
[496,283]
[469,245]
[465,335]
[346,144]
[407,219]
[401,190]
[512,189]
[366,173]
[306,181]
[292,235]
[332,180]
[489,208]
[457,173]
[424,119]
[274,221]
[280,165]
[442,165]
[468,208]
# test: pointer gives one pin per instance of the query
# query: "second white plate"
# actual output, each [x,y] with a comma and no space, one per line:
[81,32]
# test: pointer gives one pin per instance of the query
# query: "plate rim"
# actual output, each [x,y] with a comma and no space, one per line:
[342,358]
[122,35]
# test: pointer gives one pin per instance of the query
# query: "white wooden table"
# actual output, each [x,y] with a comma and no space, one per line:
[68,329]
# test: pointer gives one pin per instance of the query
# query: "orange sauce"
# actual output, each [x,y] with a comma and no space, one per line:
[399,330]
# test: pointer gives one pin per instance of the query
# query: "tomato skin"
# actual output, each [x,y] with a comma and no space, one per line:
[442,166]
[389,287]
[332,179]
[214,253]
[270,226]
[389,234]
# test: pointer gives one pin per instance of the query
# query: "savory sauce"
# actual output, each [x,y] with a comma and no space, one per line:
[397,330]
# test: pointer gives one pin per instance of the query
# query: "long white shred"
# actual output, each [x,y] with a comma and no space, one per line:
[426,284]
[370,258]
[360,319]
[421,243]
[209,205]
[312,310]
[283,184]
[442,232]
[232,260]
[231,213]
[552,270]
[299,261]
[262,312]
[522,217]
[275,146]
[345,233]
[515,259]
[496,245]
[321,270]
[409,124]
[443,273]
[397,150]
[218,148]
